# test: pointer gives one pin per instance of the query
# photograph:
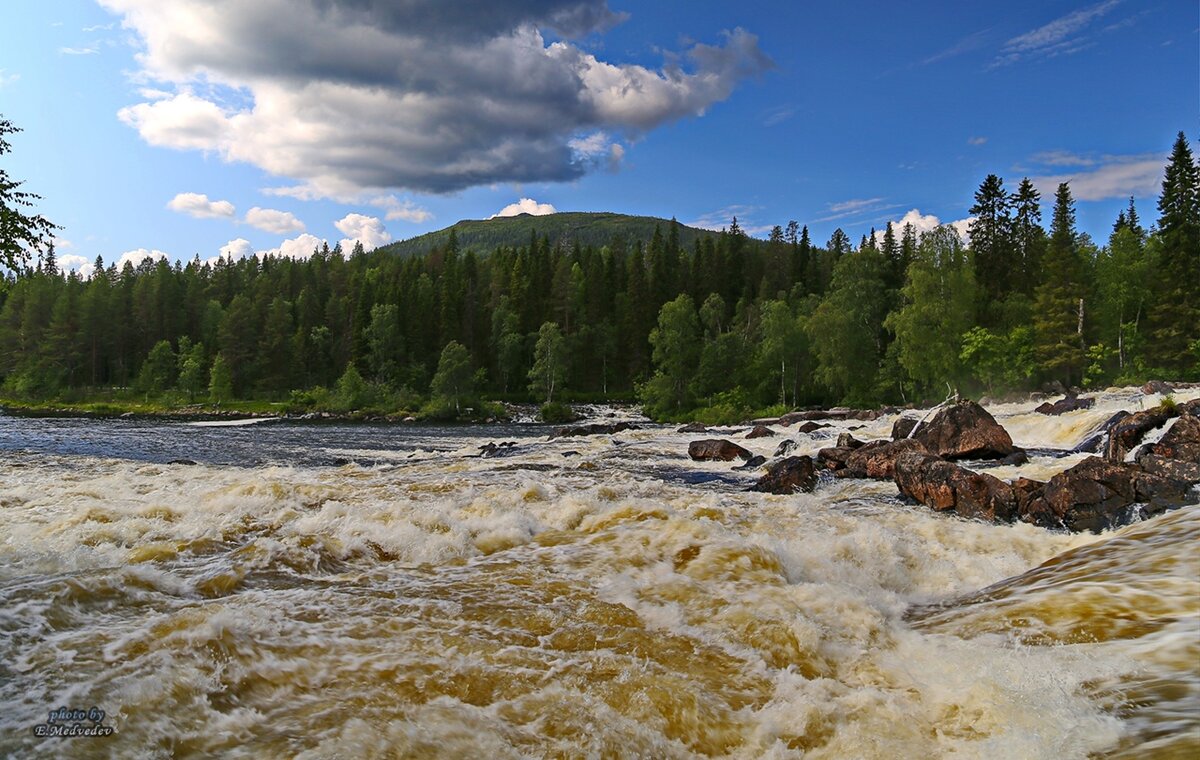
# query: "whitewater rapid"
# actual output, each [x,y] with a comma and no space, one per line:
[322,592]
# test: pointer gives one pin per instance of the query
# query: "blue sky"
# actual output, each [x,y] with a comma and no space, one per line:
[185,127]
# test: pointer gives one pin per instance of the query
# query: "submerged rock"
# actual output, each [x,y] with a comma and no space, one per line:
[944,486]
[788,476]
[760,431]
[1067,404]
[965,430]
[716,449]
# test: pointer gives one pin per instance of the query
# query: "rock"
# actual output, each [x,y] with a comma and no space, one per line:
[596,428]
[877,459]
[784,448]
[693,427]
[903,427]
[847,441]
[1130,430]
[965,430]
[761,431]
[187,462]
[1096,494]
[753,462]
[945,486]
[834,458]
[716,449]
[788,476]
[811,427]
[1157,386]
[1064,405]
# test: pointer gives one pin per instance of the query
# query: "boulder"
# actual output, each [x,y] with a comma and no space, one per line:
[1066,404]
[1097,494]
[847,441]
[811,427]
[1130,430]
[693,427]
[903,427]
[752,463]
[784,448]
[1157,386]
[716,449]
[965,430]
[596,428]
[944,486]
[761,431]
[788,476]
[834,458]
[877,459]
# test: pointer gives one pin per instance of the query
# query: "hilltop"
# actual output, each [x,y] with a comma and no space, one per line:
[586,228]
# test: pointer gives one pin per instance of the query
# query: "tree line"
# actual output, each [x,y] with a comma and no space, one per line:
[715,329]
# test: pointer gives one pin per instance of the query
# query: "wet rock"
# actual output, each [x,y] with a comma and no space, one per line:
[784,448]
[596,428]
[752,463]
[965,430]
[847,441]
[903,427]
[812,427]
[1157,386]
[693,427]
[1130,430]
[1064,405]
[761,431]
[788,476]
[834,458]
[1097,494]
[187,462]
[944,486]
[877,459]
[716,449]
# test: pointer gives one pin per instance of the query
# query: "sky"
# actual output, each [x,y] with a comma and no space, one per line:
[184,128]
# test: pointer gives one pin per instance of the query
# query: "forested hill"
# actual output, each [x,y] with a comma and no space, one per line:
[568,227]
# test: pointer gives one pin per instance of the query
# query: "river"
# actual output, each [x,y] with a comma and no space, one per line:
[338,591]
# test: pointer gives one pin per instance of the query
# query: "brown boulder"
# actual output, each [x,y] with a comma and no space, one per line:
[945,486]
[965,430]
[903,428]
[716,448]
[1129,431]
[788,476]
[1064,405]
[1096,494]
[761,431]
[877,459]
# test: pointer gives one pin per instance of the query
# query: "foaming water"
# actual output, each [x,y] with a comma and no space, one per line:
[598,596]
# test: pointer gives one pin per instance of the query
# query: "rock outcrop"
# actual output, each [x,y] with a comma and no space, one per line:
[788,476]
[716,449]
[965,430]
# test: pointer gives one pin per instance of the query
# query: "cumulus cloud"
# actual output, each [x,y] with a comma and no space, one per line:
[138,255]
[346,96]
[199,206]
[525,206]
[368,230]
[273,220]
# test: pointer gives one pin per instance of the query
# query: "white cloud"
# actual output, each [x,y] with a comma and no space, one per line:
[404,210]
[300,248]
[138,255]
[525,206]
[1112,177]
[367,230]
[273,220]
[281,79]
[199,206]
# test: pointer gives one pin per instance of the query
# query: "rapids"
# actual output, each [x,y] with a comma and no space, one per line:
[320,591]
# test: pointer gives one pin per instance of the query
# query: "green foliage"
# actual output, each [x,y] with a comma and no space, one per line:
[556,413]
